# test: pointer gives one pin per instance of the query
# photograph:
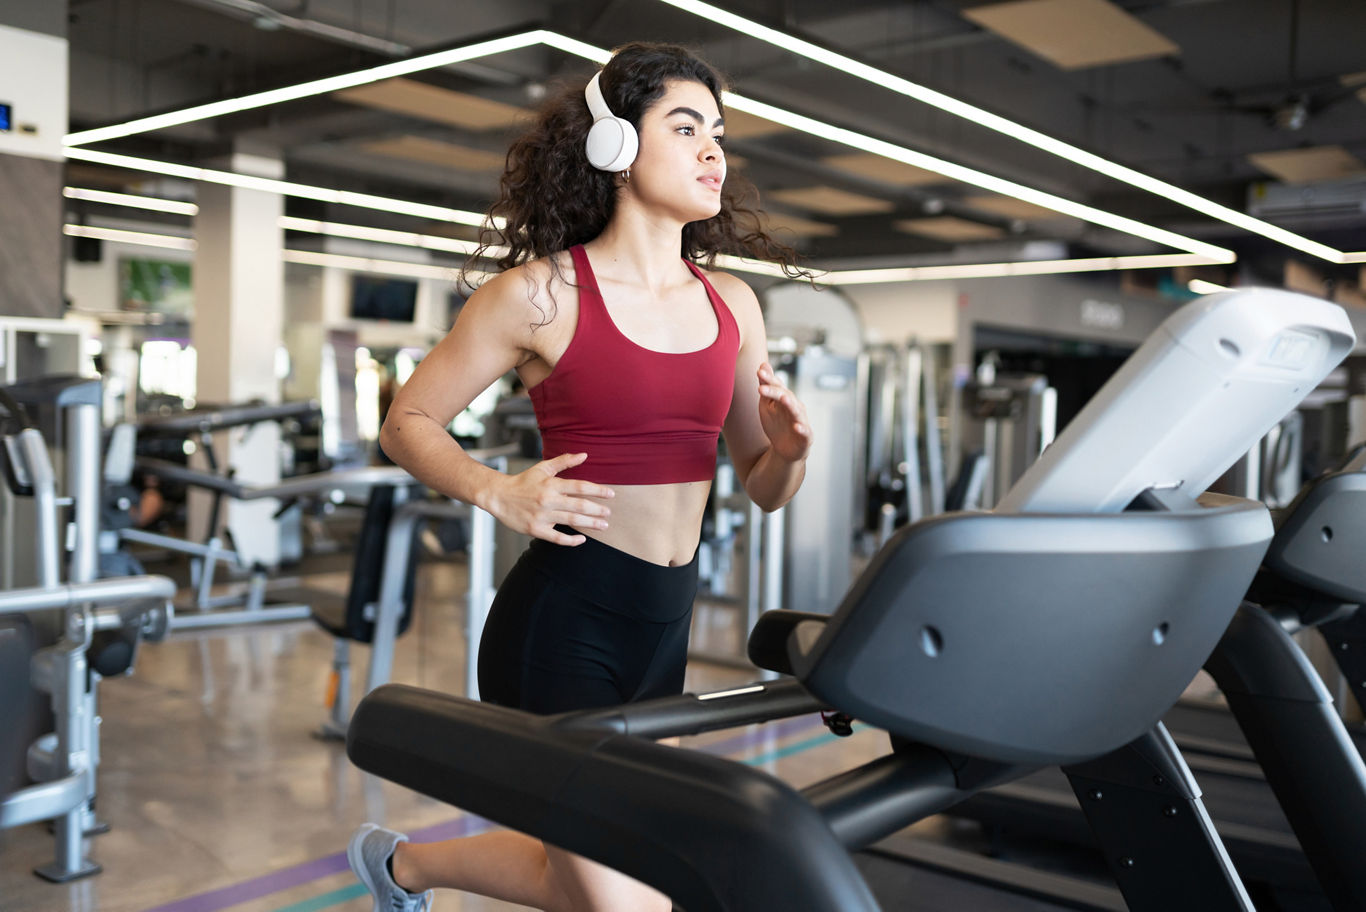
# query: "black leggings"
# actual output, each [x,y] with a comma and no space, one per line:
[585,627]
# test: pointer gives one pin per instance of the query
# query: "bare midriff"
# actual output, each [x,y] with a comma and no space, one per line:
[659,523]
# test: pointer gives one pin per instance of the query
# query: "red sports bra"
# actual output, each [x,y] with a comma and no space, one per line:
[642,416]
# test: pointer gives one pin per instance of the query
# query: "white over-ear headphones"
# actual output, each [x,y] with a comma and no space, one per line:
[612,142]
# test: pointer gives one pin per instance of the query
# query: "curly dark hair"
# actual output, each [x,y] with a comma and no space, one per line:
[550,198]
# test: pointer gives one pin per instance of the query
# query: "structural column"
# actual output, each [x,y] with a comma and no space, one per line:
[237,333]
[33,114]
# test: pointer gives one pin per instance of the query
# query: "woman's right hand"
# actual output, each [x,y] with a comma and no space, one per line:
[533,502]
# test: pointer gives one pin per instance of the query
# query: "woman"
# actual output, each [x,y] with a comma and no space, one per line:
[635,359]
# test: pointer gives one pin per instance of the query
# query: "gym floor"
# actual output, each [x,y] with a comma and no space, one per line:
[220,797]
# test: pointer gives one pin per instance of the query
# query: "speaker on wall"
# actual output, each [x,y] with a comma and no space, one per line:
[87,249]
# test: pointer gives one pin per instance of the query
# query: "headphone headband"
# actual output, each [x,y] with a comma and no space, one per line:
[612,142]
[597,104]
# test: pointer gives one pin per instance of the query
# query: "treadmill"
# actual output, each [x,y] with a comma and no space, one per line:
[961,639]
[1283,778]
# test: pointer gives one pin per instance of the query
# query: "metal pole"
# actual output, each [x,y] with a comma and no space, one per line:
[773,559]
[480,597]
[934,456]
[39,466]
[83,485]
[910,431]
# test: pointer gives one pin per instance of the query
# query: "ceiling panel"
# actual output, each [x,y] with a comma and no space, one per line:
[1297,166]
[1074,34]
[743,125]
[875,167]
[429,102]
[435,152]
[1009,207]
[831,201]
[949,228]
[794,225]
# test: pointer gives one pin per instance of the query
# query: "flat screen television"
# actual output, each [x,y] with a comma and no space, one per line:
[383,298]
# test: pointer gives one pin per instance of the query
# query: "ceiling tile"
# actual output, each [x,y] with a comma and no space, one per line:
[875,167]
[1297,166]
[743,125]
[791,224]
[429,102]
[1010,207]
[949,228]
[1073,34]
[435,152]
[830,201]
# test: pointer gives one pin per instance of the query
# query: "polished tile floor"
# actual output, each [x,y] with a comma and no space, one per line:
[220,797]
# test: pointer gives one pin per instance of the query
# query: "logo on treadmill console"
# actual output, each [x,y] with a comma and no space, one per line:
[1102,314]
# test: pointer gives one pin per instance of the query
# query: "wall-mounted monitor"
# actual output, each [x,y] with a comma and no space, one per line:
[156,286]
[383,298]
[6,113]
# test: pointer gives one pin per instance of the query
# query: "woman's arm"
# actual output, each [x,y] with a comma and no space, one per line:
[766,430]
[491,336]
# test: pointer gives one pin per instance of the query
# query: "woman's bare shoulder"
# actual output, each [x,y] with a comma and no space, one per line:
[734,290]
[529,291]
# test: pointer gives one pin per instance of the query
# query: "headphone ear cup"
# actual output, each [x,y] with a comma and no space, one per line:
[612,144]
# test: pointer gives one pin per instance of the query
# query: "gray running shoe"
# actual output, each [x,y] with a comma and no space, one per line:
[368,854]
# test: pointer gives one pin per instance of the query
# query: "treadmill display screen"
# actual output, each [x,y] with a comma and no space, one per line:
[5,118]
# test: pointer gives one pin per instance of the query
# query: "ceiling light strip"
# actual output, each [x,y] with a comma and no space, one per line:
[142,238]
[385,236]
[572,46]
[1008,127]
[285,188]
[976,178]
[845,277]
[1009,270]
[308,89]
[129,200]
[388,267]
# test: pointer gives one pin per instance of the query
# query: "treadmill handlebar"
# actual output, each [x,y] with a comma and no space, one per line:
[217,419]
[713,835]
[691,714]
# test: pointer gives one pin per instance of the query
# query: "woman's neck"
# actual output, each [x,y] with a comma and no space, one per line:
[638,250]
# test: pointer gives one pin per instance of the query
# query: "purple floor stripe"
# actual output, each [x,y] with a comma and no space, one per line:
[468,825]
[257,887]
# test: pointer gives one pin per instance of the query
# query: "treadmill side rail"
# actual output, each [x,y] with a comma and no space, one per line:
[668,817]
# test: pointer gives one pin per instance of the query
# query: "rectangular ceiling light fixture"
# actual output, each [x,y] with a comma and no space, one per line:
[809,125]
[130,200]
[384,267]
[981,179]
[840,277]
[1008,127]
[306,89]
[284,188]
[1008,270]
[387,236]
[142,238]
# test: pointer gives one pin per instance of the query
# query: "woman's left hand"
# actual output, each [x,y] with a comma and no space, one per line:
[782,416]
